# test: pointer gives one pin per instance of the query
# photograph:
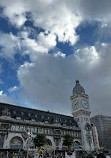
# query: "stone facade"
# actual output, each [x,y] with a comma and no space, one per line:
[81,112]
[18,125]
[16,122]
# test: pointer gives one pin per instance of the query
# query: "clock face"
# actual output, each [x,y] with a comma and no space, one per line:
[84,104]
[75,104]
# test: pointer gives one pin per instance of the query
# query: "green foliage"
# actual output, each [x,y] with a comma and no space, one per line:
[40,140]
[68,140]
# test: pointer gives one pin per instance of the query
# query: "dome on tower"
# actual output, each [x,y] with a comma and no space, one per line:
[78,88]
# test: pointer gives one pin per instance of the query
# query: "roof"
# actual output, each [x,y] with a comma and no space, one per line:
[24,113]
[78,88]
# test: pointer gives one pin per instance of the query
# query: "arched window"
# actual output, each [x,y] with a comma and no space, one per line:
[76,145]
[16,143]
[31,143]
[48,142]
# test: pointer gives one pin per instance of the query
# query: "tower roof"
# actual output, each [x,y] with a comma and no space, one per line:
[78,88]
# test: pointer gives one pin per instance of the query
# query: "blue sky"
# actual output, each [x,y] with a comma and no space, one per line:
[45,47]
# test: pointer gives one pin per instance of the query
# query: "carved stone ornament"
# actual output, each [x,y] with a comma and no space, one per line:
[25,136]
[56,121]
[6,112]
[87,127]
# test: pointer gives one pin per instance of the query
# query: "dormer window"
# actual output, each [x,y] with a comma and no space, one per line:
[46,122]
[33,120]
[59,119]
[18,118]
[22,113]
[29,114]
[14,112]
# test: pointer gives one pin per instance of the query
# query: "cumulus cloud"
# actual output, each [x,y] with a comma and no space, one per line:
[48,79]
[42,43]
[9,44]
[23,44]
[6,99]
[98,10]
[53,16]
[59,17]
[88,55]
[48,40]
[15,11]
[12,89]
[60,54]
[48,83]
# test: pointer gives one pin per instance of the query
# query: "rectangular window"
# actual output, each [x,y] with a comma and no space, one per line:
[14,112]
[4,126]
[77,135]
[74,134]
[28,129]
[22,128]
[13,127]
[33,120]
[17,128]
[35,130]
[50,131]
[22,113]
[40,130]
[29,114]
[18,118]
[32,129]
[46,131]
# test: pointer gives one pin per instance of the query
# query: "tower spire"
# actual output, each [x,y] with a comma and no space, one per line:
[78,88]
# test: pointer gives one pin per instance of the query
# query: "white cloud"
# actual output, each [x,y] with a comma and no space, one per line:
[88,55]
[47,84]
[12,89]
[53,16]
[33,45]
[1,92]
[58,17]
[43,43]
[15,11]
[98,10]
[60,54]
[9,43]
[48,40]
[6,99]
[25,45]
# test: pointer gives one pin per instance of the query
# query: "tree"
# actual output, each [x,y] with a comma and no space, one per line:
[40,140]
[68,141]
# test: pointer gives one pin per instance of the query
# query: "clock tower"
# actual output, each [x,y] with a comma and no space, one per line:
[81,112]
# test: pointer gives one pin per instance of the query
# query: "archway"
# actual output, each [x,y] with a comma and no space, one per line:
[16,143]
[76,145]
[31,144]
[48,142]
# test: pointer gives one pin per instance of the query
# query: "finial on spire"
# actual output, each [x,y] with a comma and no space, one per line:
[77,81]
[78,88]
